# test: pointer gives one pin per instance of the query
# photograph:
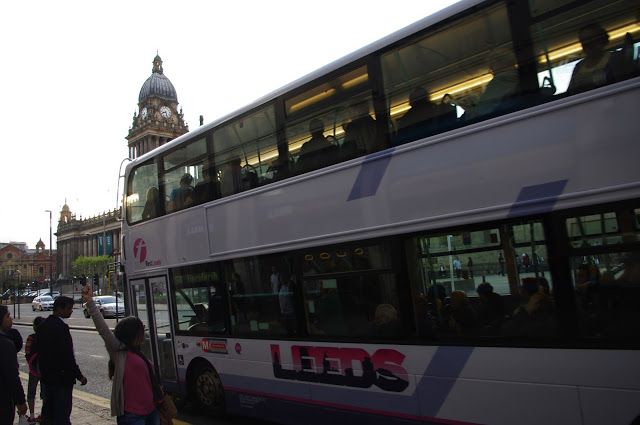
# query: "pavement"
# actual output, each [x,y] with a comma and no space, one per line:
[88,409]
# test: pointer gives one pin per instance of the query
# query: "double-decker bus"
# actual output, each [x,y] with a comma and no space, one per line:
[442,227]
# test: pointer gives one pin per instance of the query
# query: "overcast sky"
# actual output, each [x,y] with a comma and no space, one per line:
[71,73]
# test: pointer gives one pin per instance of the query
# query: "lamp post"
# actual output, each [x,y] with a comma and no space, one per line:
[50,243]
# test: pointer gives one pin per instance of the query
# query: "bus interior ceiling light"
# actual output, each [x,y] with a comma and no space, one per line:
[311,100]
[577,47]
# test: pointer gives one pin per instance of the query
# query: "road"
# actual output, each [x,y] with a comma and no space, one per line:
[92,359]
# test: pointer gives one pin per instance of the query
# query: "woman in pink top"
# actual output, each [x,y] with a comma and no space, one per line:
[135,392]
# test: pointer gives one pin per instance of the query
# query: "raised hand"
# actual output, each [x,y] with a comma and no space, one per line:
[87,293]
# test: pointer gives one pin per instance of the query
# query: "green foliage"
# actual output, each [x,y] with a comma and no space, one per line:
[91,265]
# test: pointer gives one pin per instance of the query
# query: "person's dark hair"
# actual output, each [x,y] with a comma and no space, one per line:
[127,331]
[418,95]
[186,179]
[544,284]
[436,291]
[484,288]
[593,33]
[3,312]
[530,285]
[37,321]
[316,126]
[17,338]
[62,302]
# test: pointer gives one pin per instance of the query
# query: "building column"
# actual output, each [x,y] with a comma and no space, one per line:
[67,258]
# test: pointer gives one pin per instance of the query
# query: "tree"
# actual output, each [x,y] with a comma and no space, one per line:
[89,266]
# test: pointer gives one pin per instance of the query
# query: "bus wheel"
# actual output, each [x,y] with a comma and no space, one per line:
[205,388]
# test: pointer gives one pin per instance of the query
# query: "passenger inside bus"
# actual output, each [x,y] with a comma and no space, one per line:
[490,308]
[500,93]
[360,133]
[535,316]
[217,308]
[151,205]
[205,189]
[182,196]
[386,323]
[230,177]
[595,69]
[599,65]
[286,303]
[461,315]
[420,120]
[317,152]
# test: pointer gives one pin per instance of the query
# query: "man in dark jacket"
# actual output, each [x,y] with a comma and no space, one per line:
[12,393]
[58,367]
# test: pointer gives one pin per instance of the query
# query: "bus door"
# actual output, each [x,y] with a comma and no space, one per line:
[149,298]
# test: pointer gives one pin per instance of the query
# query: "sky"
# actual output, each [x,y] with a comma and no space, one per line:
[71,72]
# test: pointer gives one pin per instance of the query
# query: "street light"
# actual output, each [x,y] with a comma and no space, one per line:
[50,243]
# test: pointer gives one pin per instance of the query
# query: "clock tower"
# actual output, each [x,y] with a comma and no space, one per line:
[158,119]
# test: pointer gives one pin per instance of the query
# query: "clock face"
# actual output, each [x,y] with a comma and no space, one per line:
[165,112]
[143,113]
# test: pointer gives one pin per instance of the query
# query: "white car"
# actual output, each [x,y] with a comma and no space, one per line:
[107,306]
[41,303]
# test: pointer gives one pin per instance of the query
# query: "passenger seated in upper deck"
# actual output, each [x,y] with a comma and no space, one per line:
[501,89]
[599,66]
[151,205]
[595,69]
[360,133]
[205,190]
[420,120]
[230,177]
[182,196]
[317,152]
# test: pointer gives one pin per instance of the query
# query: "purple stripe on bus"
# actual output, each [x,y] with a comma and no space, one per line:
[371,173]
[441,375]
[540,198]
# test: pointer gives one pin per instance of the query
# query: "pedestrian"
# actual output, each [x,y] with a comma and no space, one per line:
[34,371]
[135,390]
[457,267]
[501,263]
[17,339]
[12,394]
[58,368]
[470,267]
[526,261]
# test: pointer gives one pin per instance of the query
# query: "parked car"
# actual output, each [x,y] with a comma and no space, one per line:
[107,306]
[41,303]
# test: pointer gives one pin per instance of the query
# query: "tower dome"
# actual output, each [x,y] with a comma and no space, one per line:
[157,85]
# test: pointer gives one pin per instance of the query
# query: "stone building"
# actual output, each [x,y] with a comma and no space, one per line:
[20,265]
[157,121]
[84,237]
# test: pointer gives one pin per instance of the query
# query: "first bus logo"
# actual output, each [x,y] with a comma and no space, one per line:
[140,250]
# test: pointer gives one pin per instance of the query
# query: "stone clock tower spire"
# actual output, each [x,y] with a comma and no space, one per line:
[158,119]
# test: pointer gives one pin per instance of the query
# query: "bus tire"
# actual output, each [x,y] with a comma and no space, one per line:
[205,389]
